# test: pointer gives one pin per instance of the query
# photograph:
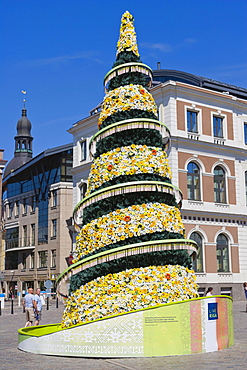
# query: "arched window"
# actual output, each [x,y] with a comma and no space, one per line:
[219,185]
[193,181]
[197,264]
[222,252]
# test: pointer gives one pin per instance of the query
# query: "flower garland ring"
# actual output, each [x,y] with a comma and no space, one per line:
[126,98]
[115,226]
[128,160]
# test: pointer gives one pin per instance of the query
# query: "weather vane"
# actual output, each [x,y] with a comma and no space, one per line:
[24,100]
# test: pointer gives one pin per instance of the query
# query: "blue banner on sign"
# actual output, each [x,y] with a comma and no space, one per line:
[213,311]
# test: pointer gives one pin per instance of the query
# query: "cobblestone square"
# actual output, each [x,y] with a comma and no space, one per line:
[12,358]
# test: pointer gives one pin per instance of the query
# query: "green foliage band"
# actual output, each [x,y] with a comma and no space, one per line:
[110,204]
[137,177]
[126,57]
[141,260]
[135,78]
[127,114]
[138,239]
[144,136]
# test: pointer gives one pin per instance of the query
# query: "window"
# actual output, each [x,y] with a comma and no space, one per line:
[222,253]
[24,230]
[32,234]
[33,204]
[219,185]
[24,206]
[218,126]
[42,259]
[245,133]
[54,198]
[12,238]
[17,208]
[193,181]
[24,261]
[197,264]
[83,189]
[54,228]
[53,258]
[10,210]
[43,221]
[32,260]
[83,150]
[246,188]
[192,125]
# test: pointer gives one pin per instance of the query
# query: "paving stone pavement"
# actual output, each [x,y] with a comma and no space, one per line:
[12,358]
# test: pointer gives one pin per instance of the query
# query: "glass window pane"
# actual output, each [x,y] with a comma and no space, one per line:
[222,252]
[219,185]
[192,121]
[197,264]
[193,181]
[218,126]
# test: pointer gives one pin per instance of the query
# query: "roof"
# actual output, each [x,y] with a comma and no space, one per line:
[44,154]
[163,75]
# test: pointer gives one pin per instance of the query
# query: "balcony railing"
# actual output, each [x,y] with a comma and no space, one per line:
[19,243]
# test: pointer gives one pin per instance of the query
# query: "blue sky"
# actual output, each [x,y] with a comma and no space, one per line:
[60,50]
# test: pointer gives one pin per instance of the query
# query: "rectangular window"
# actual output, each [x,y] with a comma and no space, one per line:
[245,188]
[24,261]
[32,260]
[53,258]
[33,204]
[54,229]
[33,234]
[218,126]
[24,206]
[17,208]
[10,210]
[12,238]
[43,259]
[245,133]
[192,121]
[24,240]
[54,198]
[83,150]
[43,221]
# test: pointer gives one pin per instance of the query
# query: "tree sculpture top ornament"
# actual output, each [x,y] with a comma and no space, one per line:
[127,37]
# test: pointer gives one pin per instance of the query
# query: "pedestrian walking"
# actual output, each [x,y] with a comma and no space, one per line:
[37,310]
[209,292]
[245,289]
[29,304]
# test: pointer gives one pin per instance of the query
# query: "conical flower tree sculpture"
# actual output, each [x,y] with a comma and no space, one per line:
[131,251]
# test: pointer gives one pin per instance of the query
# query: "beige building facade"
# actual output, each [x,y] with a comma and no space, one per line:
[37,208]
[208,158]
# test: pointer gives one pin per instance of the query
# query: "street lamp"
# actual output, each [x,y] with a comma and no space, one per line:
[12,272]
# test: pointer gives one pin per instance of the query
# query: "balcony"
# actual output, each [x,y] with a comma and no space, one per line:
[19,244]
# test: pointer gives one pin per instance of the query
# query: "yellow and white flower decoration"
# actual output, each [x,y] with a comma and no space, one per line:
[135,220]
[127,38]
[126,98]
[128,160]
[129,290]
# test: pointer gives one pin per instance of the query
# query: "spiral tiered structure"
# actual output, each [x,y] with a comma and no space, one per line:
[131,251]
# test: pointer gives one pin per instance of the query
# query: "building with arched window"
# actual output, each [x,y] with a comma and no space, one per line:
[208,158]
